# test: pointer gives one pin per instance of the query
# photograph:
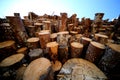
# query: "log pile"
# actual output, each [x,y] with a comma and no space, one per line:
[53,46]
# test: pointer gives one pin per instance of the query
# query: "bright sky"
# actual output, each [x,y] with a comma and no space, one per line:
[83,8]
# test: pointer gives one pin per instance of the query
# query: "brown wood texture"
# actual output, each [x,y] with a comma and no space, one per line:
[7,48]
[94,52]
[39,69]
[20,72]
[63,27]
[11,60]
[56,66]
[80,69]
[52,48]
[63,53]
[76,49]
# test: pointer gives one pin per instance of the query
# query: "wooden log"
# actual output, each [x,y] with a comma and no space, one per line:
[73,33]
[39,69]
[94,52]
[110,59]
[44,37]
[63,22]
[80,69]
[76,49]
[22,50]
[53,37]
[33,43]
[35,53]
[20,72]
[47,25]
[31,31]
[70,27]
[7,48]
[39,26]
[63,53]
[52,50]
[18,28]
[56,66]
[85,41]
[101,38]
[11,60]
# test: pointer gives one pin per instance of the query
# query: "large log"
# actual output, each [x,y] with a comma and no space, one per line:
[80,69]
[18,28]
[110,59]
[39,69]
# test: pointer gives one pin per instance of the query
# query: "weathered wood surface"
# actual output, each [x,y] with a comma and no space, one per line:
[35,53]
[80,69]
[111,58]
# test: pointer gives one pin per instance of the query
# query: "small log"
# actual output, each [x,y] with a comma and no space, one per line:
[31,30]
[53,37]
[76,49]
[52,50]
[44,37]
[33,43]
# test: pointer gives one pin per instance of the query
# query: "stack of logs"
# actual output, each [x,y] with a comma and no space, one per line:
[51,47]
